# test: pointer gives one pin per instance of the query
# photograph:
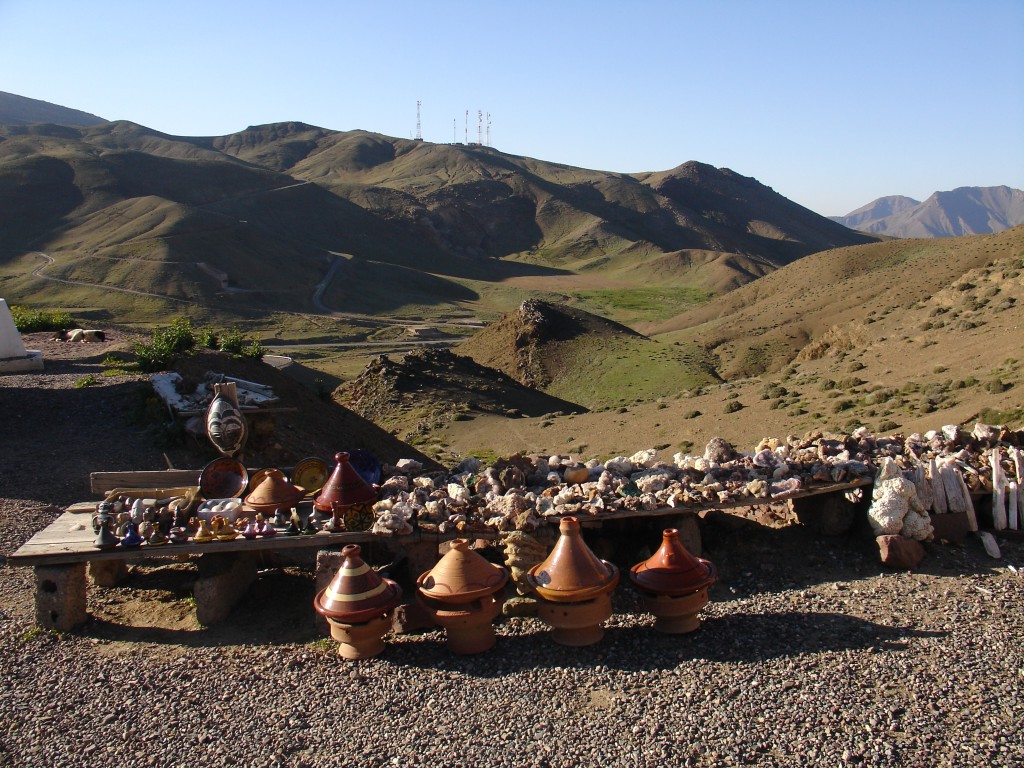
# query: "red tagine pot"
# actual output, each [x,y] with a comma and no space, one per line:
[347,496]
[674,584]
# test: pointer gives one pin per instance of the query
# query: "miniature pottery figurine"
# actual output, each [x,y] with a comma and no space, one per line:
[280,518]
[204,534]
[104,515]
[357,604]
[157,537]
[123,520]
[462,593]
[105,539]
[574,587]
[348,496]
[225,424]
[251,529]
[674,585]
[179,535]
[131,537]
[273,491]
[309,528]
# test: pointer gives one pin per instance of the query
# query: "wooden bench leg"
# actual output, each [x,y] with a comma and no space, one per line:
[60,596]
[107,573]
[223,578]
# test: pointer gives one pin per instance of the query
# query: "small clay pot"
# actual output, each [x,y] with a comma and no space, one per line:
[676,614]
[576,624]
[361,640]
[576,473]
[468,626]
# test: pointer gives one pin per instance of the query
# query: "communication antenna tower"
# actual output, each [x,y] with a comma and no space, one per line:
[419,129]
[454,140]
[479,127]
[488,129]
[467,127]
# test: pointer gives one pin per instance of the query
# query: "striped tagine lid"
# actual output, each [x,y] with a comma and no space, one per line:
[672,570]
[357,593]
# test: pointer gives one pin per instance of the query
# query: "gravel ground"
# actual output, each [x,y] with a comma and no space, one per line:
[811,653]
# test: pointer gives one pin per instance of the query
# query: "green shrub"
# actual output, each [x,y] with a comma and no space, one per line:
[733,405]
[86,381]
[35,320]
[166,344]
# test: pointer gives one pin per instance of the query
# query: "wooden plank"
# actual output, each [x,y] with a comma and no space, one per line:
[103,482]
[69,539]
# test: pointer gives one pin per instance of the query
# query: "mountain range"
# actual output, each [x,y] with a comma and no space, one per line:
[962,211]
[256,220]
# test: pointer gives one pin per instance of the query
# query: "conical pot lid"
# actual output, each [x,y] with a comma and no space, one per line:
[461,576]
[357,593]
[345,487]
[274,491]
[672,570]
[572,572]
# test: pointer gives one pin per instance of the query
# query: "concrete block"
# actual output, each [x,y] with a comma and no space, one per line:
[107,573]
[223,578]
[60,596]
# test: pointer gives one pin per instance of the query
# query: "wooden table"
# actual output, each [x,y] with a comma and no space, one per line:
[60,552]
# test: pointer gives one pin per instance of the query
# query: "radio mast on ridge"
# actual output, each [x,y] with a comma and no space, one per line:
[419,129]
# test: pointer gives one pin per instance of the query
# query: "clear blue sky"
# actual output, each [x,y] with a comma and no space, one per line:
[832,104]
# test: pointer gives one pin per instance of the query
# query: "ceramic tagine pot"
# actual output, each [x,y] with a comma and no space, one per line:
[347,497]
[674,585]
[358,604]
[574,587]
[463,594]
[103,524]
[273,491]
[225,424]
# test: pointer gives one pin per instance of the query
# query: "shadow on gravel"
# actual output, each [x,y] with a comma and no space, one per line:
[734,638]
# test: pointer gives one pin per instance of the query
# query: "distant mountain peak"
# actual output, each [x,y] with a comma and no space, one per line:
[958,212]
[21,110]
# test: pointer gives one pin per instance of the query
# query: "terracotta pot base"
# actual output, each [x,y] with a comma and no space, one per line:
[360,641]
[468,629]
[576,624]
[676,615]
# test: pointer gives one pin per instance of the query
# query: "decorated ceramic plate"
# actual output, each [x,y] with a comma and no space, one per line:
[311,474]
[223,478]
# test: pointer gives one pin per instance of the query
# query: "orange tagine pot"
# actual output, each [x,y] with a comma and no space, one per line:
[273,491]
[462,594]
[356,604]
[574,587]
[674,584]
